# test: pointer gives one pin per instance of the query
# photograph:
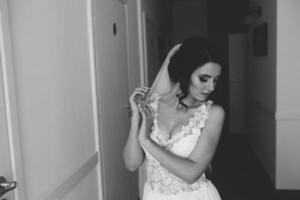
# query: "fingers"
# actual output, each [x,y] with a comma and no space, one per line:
[140,91]
[146,111]
[151,111]
[142,111]
[142,88]
[138,96]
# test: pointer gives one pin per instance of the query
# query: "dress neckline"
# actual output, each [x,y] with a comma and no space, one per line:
[174,135]
[183,130]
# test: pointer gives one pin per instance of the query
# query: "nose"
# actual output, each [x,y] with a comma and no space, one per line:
[211,85]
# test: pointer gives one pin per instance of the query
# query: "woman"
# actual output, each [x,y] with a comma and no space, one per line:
[178,129]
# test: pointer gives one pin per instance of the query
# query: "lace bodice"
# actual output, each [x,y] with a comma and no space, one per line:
[181,144]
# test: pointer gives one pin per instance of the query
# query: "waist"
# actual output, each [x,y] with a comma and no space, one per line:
[162,181]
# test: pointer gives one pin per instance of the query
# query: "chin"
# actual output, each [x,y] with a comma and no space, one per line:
[202,98]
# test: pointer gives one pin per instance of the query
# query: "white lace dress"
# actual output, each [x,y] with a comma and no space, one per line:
[162,184]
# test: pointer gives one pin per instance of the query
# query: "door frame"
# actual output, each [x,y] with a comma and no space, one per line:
[96,118]
[10,99]
[142,41]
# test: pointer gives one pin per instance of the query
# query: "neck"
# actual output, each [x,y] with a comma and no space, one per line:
[192,102]
[170,97]
[170,100]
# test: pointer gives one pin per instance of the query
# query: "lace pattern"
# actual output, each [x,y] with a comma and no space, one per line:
[158,177]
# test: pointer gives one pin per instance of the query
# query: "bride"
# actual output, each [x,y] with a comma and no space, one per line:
[175,128]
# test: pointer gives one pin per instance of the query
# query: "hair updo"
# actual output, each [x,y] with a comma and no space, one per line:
[193,53]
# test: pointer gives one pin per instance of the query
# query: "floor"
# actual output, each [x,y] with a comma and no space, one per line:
[238,176]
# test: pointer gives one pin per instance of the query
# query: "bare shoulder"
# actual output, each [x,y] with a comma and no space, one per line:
[210,135]
[215,120]
[216,112]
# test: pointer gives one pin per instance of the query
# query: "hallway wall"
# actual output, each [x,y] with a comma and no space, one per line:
[261,84]
[288,95]
[274,99]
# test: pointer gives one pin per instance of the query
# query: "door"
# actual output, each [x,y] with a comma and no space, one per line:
[112,76]
[48,138]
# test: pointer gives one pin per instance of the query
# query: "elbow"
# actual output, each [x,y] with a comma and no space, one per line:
[132,161]
[192,178]
[130,164]
[131,167]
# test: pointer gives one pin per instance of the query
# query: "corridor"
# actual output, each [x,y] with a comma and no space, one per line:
[238,175]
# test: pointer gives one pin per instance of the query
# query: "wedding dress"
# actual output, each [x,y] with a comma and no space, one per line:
[162,184]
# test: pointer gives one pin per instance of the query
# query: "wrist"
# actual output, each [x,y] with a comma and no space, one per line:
[135,115]
[145,141]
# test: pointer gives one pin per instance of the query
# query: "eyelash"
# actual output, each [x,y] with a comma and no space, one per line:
[204,79]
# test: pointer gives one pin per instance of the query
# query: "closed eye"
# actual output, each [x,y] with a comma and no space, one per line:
[204,78]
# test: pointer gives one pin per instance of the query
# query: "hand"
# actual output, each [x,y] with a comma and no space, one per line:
[147,122]
[136,97]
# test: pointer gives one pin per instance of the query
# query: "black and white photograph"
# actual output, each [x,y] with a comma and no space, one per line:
[149,100]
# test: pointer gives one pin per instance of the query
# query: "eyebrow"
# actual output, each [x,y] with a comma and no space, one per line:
[209,75]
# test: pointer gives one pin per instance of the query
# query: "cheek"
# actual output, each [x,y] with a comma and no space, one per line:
[195,87]
[196,84]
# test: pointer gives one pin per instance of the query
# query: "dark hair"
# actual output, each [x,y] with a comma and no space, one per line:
[193,52]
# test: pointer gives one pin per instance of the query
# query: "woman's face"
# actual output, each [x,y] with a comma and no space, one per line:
[203,81]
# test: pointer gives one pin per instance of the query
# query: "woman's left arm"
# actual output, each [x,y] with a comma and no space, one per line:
[191,168]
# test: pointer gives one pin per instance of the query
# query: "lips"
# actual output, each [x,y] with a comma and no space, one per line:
[205,94]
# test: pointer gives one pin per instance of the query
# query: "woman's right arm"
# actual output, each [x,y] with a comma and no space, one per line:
[133,153]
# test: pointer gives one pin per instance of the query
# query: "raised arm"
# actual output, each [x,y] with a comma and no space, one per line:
[191,168]
[133,154]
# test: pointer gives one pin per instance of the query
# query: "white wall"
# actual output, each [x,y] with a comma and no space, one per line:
[54,95]
[288,95]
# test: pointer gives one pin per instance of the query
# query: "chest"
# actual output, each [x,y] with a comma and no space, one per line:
[170,121]
[177,133]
